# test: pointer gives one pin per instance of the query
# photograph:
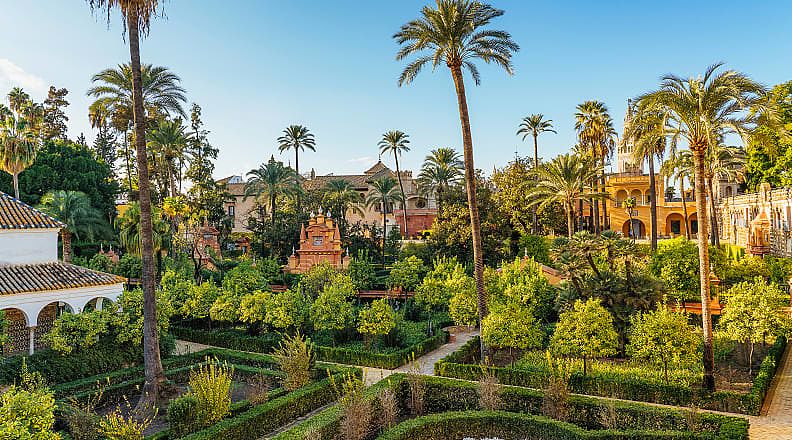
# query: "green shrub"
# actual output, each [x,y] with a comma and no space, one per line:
[296,359]
[27,414]
[211,386]
[182,415]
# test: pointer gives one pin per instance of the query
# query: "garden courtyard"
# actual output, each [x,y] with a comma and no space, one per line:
[635,283]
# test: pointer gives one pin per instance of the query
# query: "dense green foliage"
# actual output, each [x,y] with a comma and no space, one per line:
[64,165]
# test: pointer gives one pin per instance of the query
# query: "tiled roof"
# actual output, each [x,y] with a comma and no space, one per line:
[15,214]
[25,278]
[356,180]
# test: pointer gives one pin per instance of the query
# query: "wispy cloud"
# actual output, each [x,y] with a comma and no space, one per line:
[12,75]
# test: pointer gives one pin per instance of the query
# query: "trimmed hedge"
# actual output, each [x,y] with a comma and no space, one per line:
[502,424]
[57,368]
[237,340]
[623,386]
[267,417]
[443,395]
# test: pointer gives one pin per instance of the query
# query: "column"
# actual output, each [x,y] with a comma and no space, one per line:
[32,341]
[99,304]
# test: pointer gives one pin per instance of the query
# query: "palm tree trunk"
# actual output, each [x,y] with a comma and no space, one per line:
[128,160]
[570,219]
[404,196]
[652,202]
[297,172]
[596,207]
[470,180]
[272,211]
[605,221]
[67,248]
[684,207]
[384,231]
[704,264]
[535,228]
[16,185]
[714,215]
[154,373]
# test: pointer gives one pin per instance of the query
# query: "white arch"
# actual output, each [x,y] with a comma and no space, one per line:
[32,303]
[24,314]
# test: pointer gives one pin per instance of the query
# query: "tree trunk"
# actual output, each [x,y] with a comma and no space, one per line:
[534,209]
[596,211]
[67,248]
[296,171]
[128,160]
[404,196]
[585,366]
[653,202]
[605,220]
[16,185]
[714,213]
[470,180]
[272,211]
[684,207]
[570,220]
[384,231]
[704,264]
[154,374]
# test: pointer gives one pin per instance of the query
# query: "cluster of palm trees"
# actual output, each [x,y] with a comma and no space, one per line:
[698,111]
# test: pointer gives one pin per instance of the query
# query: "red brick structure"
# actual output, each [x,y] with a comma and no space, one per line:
[320,242]
[418,220]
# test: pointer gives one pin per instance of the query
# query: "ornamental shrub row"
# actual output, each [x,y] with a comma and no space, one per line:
[237,340]
[636,420]
[502,424]
[621,385]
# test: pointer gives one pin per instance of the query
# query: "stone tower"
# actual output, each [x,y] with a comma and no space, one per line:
[624,152]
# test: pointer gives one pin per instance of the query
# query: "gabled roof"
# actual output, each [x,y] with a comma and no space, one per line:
[26,278]
[379,166]
[14,214]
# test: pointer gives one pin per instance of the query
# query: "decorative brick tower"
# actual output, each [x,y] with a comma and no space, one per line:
[320,242]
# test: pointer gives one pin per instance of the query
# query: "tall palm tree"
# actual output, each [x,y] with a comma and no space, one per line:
[705,107]
[534,125]
[442,168]
[137,16]
[17,99]
[341,196]
[648,130]
[397,142]
[454,32]
[383,194]
[73,208]
[564,180]
[596,135]
[18,145]
[270,181]
[167,143]
[297,138]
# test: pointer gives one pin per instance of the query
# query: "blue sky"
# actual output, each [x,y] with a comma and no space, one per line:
[262,65]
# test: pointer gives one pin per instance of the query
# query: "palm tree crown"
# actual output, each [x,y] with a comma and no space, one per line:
[73,208]
[297,138]
[270,181]
[452,34]
[166,146]
[565,180]
[384,193]
[341,196]
[442,168]
[534,125]
[162,94]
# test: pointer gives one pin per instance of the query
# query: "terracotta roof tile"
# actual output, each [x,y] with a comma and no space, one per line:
[15,214]
[25,278]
